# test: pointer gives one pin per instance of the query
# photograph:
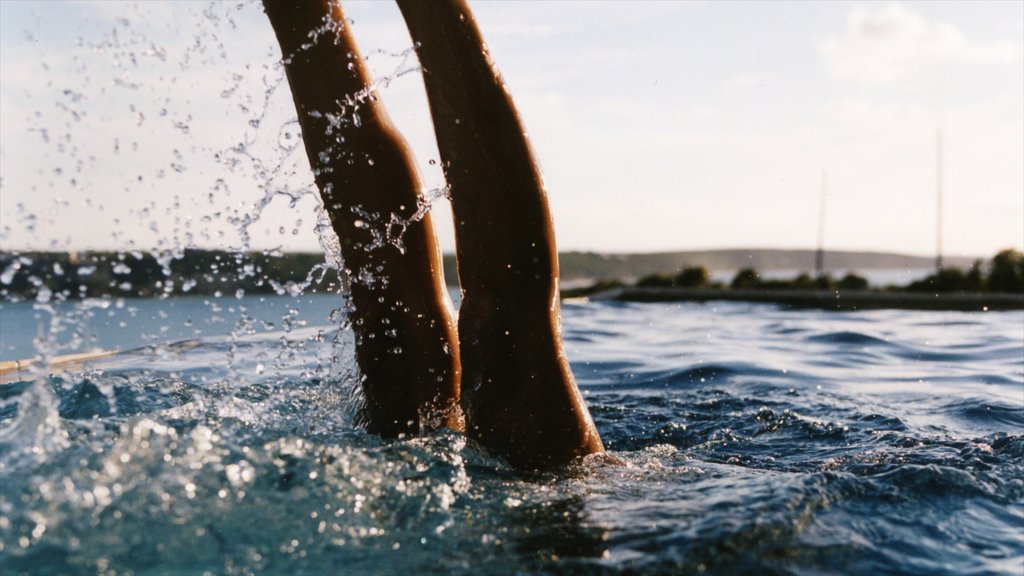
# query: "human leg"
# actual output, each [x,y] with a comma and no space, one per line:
[406,345]
[518,393]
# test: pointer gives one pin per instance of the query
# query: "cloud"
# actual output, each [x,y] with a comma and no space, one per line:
[884,45]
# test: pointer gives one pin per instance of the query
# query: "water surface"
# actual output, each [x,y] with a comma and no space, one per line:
[747,439]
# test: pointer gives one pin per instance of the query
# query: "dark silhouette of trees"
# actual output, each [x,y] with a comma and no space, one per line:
[1007,272]
[136,274]
[745,278]
[139,274]
[852,282]
[693,277]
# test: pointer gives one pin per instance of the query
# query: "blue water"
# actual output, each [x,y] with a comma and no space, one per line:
[746,439]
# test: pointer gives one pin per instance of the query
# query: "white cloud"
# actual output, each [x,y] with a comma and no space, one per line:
[882,45]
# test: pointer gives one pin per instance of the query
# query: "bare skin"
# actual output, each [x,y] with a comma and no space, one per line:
[406,345]
[518,393]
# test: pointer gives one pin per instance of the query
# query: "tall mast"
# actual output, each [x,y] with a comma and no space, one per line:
[819,255]
[938,212]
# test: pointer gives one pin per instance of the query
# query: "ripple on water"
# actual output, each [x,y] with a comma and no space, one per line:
[846,338]
[987,413]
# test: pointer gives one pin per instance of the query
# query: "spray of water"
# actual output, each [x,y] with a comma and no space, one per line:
[183,139]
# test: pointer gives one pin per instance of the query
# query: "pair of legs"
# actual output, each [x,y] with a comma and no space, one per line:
[504,365]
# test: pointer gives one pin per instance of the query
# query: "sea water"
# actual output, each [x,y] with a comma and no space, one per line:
[746,438]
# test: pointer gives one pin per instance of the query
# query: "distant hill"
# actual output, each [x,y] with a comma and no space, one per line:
[593,265]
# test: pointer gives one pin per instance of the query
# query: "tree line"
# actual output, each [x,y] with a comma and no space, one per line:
[70,275]
[1003,273]
[66,276]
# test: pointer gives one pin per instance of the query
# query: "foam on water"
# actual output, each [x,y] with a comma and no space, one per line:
[747,439]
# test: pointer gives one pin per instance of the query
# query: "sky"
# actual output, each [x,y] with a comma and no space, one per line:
[659,125]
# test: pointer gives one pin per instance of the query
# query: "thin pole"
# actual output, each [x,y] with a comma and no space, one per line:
[819,255]
[938,215]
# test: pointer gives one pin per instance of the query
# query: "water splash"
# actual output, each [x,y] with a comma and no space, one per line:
[138,124]
[134,150]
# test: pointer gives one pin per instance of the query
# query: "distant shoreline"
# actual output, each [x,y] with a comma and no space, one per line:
[838,300]
[70,276]
[576,265]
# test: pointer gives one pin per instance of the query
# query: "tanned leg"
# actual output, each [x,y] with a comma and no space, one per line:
[518,394]
[406,345]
